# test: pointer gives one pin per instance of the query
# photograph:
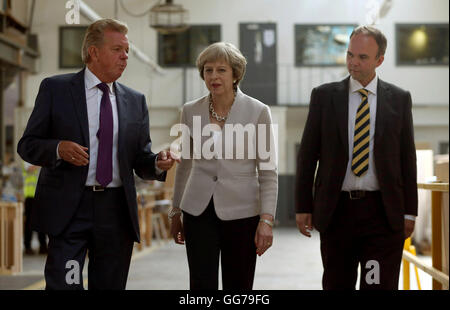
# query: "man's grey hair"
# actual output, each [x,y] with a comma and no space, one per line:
[94,35]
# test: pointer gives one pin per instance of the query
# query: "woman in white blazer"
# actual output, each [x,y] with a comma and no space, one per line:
[226,184]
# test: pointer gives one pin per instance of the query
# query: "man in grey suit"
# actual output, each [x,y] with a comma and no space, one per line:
[89,133]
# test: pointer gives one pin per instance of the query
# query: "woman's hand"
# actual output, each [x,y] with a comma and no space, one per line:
[264,236]
[176,229]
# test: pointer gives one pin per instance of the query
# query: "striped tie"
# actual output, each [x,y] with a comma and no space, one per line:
[360,158]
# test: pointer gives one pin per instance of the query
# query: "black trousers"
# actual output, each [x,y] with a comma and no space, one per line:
[359,233]
[101,227]
[208,238]
[28,232]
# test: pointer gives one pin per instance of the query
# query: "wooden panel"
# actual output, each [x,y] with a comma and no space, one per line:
[11,224]
[436,243]
[438,187]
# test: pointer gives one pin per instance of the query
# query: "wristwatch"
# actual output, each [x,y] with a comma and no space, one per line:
[173,211]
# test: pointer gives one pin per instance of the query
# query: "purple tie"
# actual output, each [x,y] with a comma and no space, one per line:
[105,139]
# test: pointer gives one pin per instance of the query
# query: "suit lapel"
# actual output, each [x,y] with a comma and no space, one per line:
[78,92]
[204,113]
[233,116]
[340,103]
[383,98]
[122,103]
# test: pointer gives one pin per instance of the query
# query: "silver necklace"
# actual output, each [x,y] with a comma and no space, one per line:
[214,114]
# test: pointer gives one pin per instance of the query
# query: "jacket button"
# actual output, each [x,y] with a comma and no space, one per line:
[215,178]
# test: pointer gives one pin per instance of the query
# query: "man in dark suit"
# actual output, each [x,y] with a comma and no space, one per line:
[89,133]
[363,197]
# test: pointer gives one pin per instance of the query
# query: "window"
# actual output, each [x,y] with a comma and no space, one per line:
[422,44]
[321,45]
[182,49]
[70,42]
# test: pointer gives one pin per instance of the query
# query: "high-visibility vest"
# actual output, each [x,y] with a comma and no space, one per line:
[30,181]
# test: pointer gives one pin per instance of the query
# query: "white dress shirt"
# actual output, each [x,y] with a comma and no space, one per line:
[369,180]
[93,101]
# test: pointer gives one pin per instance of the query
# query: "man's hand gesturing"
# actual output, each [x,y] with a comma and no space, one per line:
[73,153]
[165,160]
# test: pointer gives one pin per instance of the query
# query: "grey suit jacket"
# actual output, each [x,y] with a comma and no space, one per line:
[242,179]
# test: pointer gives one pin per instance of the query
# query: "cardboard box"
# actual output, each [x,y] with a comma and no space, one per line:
[16,36]
[441,168]
[19,10]
[422,145]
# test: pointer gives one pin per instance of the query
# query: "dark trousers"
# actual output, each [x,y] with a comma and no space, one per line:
[207,237]
[101,227]
[359,233]
[28,232]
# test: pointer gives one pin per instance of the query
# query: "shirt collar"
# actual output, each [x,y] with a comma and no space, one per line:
[371,87]
[91,81]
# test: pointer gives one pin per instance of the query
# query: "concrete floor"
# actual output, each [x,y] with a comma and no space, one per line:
[293,263]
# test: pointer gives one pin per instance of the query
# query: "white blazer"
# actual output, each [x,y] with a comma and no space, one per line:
[242,186]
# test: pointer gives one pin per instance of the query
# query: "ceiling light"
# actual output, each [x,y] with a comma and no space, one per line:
[168,18]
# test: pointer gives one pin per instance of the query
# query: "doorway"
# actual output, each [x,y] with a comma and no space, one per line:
[258,43]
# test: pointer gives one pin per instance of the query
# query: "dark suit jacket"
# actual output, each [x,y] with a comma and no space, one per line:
[325,140]
[60,113]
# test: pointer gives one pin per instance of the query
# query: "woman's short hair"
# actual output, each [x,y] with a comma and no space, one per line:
[374,33]
[227,52]
[94,34]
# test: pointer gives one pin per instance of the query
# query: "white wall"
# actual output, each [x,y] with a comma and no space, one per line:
[287,13]
[50,14]
[428,85]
